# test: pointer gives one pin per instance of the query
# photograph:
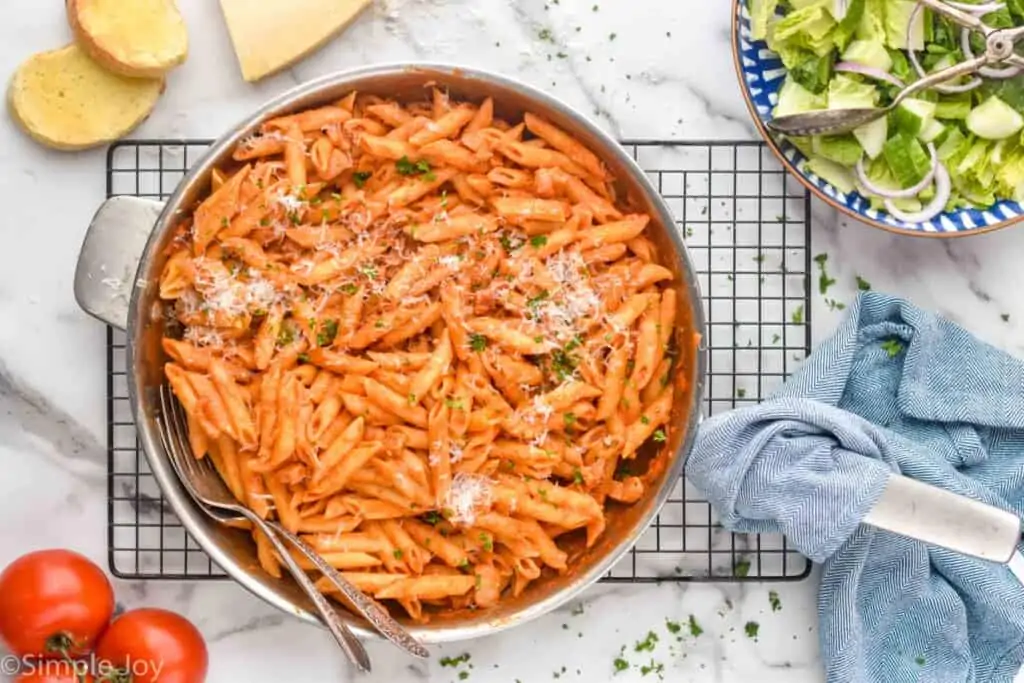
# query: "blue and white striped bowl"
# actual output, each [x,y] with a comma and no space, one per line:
[761,74]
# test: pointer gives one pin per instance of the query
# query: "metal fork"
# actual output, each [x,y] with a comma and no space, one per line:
[205,485]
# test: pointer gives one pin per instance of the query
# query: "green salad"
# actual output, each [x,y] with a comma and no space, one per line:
[957,145]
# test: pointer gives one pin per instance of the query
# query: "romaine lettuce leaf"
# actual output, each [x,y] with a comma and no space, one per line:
[869,53]
[848,25]
[796,99]
[760,12]
[810,28]
[897,17]
[811,71]
[841,149]
[872,21]
[846,93]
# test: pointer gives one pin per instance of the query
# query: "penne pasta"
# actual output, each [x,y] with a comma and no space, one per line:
[423,338]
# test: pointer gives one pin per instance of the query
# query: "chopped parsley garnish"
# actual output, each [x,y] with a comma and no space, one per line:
[695,629]
[294,217]
[411,399]
[486,540]
[224,222]
[369,270]
[659,435]
[570,419]
[264,222]
[421,167]
[647,644]
[286,336]
[798,315]
[862,284]
[577,476]
[644,420]
[328,331]
[433,518]
[379,324]
[533,302]
[751,628]
[673,626]
[773,600]
[538,339]
[398,553]
[742,568]
[563,365]
[893,347]
[507,244]
[620,664]
[303,357]
[573,344]
[454,403]
[776,338]
[349,288]
[539,240]
[477,342]
[546,35]
[464,564]
[824,281]
[360,178]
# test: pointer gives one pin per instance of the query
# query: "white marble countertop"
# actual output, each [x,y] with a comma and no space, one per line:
[654,69]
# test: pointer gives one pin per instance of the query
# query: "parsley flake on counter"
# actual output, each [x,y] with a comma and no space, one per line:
[824,281]
[620,664]
[751,628]
[673,626]
[773,600]
[862,284]
[1005,317]
[893,347]
[647,644]
[742,568]
[776,338]
[798,315]
[652,668]
[455,661]
[577,610]
[463,675]
[695,628]
[741,392]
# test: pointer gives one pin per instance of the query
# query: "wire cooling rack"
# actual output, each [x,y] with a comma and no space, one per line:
[747,225]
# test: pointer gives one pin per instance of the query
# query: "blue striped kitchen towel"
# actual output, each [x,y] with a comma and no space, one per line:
[896,388]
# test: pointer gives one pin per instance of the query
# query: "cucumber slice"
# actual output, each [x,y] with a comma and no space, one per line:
[871,136]
[913,116]
[994,119]
[931,132]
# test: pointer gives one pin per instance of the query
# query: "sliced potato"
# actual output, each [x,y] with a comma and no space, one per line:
[65,100]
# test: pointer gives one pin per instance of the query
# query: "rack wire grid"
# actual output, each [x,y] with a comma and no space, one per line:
[746,223]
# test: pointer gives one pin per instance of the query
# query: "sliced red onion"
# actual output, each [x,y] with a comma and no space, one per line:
[870,72]
[986,71]
[986,8]
[943,188]
[886,193]
[944,88]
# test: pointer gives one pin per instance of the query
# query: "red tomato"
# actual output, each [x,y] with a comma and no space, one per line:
[53,601]
[46,673]
[153,646]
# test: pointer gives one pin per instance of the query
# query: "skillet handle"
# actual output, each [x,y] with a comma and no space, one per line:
[109,259]
[933,515]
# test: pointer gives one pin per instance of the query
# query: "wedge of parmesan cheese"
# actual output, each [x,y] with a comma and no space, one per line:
[270,35]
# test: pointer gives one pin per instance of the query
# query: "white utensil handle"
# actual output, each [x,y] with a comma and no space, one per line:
[933,515]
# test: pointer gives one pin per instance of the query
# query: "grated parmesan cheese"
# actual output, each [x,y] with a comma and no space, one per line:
[455,453]
[467,494]
[450,262]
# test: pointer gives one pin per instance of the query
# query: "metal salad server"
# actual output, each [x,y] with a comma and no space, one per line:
[999,50]
[208,489]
